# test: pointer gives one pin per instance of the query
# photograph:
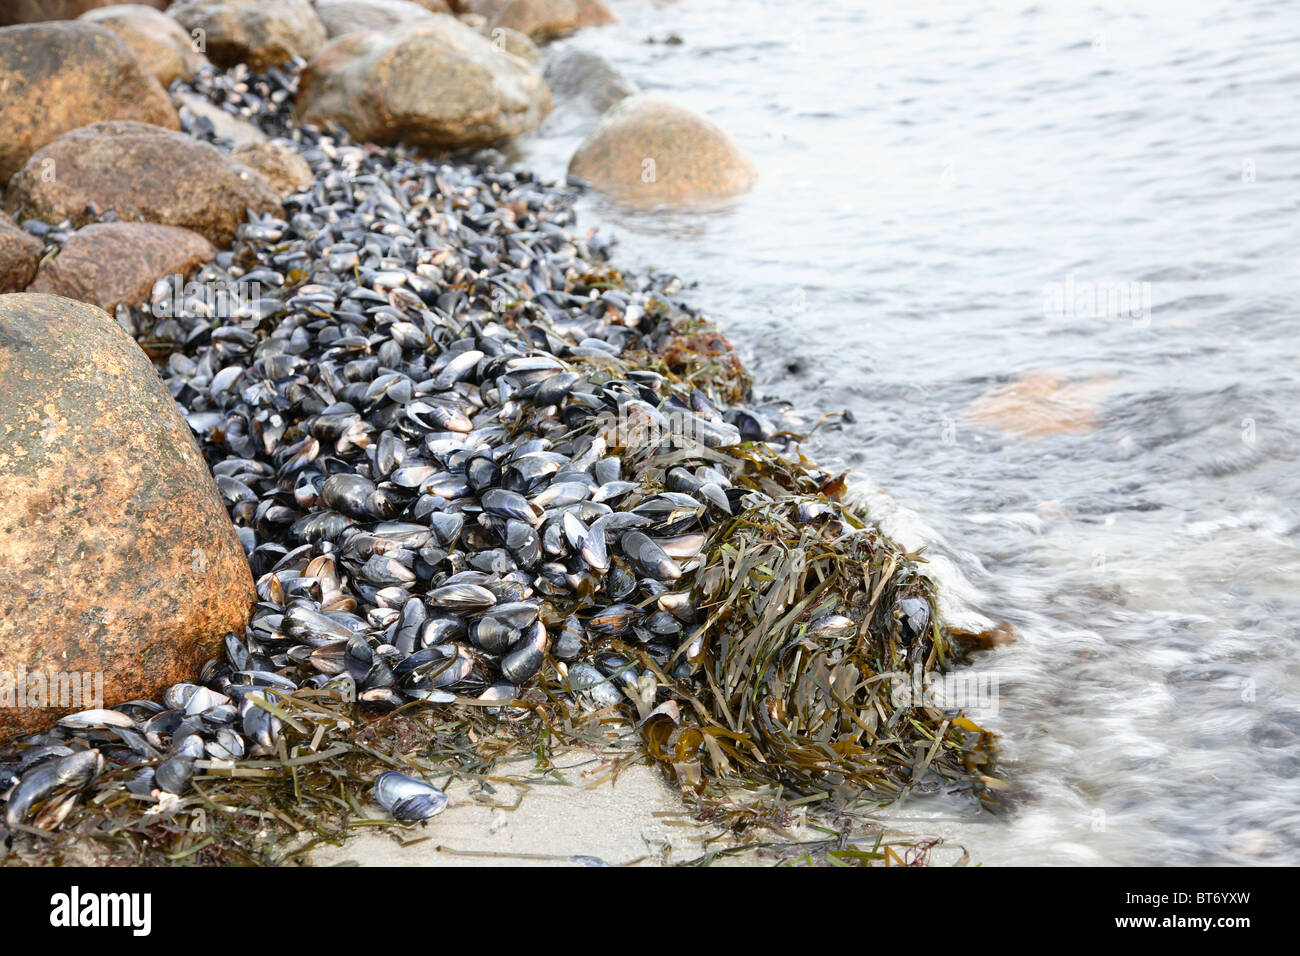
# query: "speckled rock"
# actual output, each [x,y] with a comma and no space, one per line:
[440,86]
[342,17]
[165,49]
[118,262]
[647,152]
[145,174]
[284,169]
[115,548]
[59,76]
[260,33]
[19,251]
[34,11]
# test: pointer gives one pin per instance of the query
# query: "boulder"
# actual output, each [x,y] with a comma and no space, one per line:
[165,49]
[593,13]
[143,173]
[19,251]
[255,32]
[539,19]
[59,76]
[503,39]
[439,86]
[278,164]
[34,11]
[195,109]
[648,152]
[342,17]
[586,81]
[118,262]
[116,552]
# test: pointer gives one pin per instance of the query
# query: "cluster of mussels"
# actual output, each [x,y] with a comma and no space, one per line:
[412,391]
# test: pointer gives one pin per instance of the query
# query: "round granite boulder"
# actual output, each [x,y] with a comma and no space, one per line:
[117,554]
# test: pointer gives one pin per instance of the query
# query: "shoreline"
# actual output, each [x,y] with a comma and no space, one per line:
[745,497]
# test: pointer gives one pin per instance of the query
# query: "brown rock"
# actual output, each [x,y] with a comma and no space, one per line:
[503,39]
[279,165]
[342,17]
[648,152]
[118,262]
[593,13]
[434,6]
[116,552]
[19,251]
[58,76]
[441,86]
[34,11]
[255,32]
[539,19]
[163,47]
[144,173]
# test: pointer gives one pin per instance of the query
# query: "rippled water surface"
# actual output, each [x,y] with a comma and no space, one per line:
[941,186]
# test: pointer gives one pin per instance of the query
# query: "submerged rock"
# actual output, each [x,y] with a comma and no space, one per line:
[19,251]
[647,151]
[440,86]
[59,76]
[165,49]
[118,262]
[143,173]
[115,548]
[255,32]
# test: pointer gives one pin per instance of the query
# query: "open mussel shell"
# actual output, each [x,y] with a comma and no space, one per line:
[407,799]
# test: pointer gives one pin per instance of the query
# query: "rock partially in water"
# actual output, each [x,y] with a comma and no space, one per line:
[647,152]
[144,173]
[59,76]
[342,17]
[115,548]
[198,109]
[439,86]
[19,251]
[255,32]
[539,19]
[109,263]
[279,165]
[165,49]
[587,81]
[34,11]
